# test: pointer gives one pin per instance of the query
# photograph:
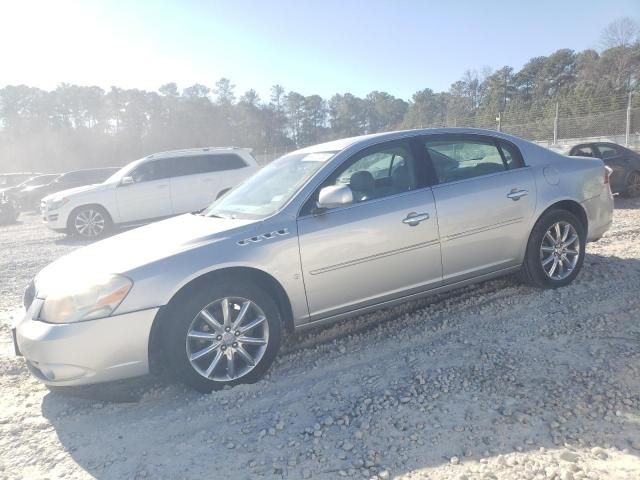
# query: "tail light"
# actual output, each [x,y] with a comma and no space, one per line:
[607,173]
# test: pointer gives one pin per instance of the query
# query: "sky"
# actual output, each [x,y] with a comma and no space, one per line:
[312,47]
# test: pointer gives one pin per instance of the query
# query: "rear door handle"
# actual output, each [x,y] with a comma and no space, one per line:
[414,218]
[163,186]
[516,194]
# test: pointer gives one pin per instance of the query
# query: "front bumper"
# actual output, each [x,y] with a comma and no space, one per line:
[87,352]
[54,219]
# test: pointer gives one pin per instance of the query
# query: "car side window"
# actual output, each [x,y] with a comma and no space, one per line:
[607,151]
[584,151]
[145,172]
[222,162]
[459,158]
[377,173]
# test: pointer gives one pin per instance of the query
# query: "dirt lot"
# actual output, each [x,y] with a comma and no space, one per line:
[495,381]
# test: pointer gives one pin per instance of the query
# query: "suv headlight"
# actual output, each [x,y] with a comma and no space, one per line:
[56,203]
[77,301]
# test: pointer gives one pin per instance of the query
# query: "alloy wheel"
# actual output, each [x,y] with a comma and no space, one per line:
[227,339]
[560,250]
[89,223]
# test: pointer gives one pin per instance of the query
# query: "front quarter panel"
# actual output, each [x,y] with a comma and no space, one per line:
[270,246]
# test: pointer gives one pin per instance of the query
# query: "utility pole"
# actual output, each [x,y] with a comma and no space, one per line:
[499,120]
[555,125]
[627,130]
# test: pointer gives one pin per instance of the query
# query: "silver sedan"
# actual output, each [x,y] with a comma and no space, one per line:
[319,235]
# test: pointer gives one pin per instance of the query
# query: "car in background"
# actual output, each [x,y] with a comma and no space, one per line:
[8,180]
[69,180]
[24,193]
[322,234]
[154,187]
[625,163]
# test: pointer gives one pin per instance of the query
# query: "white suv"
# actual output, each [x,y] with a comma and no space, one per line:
[158,186]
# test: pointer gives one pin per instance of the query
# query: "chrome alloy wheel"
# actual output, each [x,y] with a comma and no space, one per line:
[228,349]
[89,223]
[560,250]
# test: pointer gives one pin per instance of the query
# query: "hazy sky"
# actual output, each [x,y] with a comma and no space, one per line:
[321,47]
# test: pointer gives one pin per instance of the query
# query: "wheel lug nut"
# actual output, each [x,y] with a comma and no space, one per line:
[227,329]
[224,348]
[219,337]
[237,333]
[235,344]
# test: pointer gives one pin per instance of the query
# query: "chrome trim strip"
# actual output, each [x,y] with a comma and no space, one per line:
[361,310]
[373,257]
[486,228]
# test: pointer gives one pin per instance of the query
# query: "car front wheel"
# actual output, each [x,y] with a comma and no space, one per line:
[222,335]
[89,223]
[555,251]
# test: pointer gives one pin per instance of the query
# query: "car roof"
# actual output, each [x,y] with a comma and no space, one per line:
[100,169]
[338,145]
[190,152]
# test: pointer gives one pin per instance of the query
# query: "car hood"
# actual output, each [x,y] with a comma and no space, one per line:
[98,187]
[138,247]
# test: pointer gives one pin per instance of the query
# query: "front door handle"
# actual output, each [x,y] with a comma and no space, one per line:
[516,194]
[414,218]
[164,185]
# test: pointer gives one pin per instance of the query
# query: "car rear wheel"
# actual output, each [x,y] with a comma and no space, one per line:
[555,251]
[90,222]
[632,186]
[222,335]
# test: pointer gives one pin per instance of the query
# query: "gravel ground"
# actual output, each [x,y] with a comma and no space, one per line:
[495,381]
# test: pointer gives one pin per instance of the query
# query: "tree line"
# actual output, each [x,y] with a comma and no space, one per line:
[77,126]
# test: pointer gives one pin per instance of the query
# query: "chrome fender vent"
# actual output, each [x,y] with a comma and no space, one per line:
[263,236]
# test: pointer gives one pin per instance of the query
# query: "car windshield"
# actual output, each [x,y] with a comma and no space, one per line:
[269,189]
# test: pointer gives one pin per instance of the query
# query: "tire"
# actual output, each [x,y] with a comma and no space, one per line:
[632,185]
[542,248]
[199,346]
[95,219]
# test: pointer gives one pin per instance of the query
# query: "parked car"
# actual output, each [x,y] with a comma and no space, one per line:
[319,235]
[155,187]
[69,180]
[9,210]
[624,162]
[8,180]
[25,194]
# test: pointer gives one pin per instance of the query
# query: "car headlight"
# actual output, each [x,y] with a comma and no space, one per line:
[77,300]
[56,203]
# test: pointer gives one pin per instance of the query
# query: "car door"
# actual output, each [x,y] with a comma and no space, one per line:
[147,197]
[485,196]
[616,160]
[382,246]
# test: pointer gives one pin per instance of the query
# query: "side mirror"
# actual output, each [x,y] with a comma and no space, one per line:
[334,196]
[127,181]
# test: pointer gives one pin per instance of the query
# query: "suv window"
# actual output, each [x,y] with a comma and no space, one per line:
[458,159]
[197,164]
[146,172]
[379,172]
[607,152]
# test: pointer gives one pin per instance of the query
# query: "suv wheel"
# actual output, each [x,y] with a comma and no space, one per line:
[90,222]
[225,335]
[555,251]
